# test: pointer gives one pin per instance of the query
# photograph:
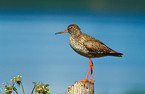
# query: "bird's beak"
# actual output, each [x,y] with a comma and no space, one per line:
[61,32]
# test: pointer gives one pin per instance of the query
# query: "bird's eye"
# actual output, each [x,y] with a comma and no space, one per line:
[70,27]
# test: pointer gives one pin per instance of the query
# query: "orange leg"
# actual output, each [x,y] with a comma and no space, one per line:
[91,65]
[91,68]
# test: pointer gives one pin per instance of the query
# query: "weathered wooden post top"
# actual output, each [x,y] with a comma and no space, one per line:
[81,88]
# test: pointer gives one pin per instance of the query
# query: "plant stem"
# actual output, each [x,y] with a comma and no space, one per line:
[15,91]
[32,90]
[22,88]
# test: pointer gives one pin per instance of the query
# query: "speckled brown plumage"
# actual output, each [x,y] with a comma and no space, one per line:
[88,46]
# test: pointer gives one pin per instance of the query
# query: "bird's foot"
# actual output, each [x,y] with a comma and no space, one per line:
[86,81]
[91,80]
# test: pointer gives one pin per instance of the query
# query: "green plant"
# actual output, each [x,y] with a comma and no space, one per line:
[9,88]
[41,88]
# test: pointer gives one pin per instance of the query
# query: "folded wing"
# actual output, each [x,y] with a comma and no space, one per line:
[97,48]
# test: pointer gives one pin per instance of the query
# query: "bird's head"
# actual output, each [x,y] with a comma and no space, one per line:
[72,29]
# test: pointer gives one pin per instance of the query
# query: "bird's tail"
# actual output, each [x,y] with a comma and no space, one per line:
[116,54]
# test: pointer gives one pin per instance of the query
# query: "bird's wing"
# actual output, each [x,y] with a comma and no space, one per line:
[97,47]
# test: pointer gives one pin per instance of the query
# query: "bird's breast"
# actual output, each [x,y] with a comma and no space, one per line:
[77,44]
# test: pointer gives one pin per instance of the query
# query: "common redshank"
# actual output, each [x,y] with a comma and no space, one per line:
[88,46]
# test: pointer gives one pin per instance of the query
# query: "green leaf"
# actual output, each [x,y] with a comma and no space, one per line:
[39,83]
[13,84]
[33,90]
[34,83]
[15,89]
[47,85]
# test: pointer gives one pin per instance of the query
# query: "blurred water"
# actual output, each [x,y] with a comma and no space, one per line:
[29,47]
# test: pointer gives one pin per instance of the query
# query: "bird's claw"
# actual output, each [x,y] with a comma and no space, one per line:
[91,80]
[86,81]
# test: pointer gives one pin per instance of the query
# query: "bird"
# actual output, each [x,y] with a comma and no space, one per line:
[87,46]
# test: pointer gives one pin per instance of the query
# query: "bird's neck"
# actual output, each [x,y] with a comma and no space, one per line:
[77,33]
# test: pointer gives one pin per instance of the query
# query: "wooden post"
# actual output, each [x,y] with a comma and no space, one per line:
[81,88]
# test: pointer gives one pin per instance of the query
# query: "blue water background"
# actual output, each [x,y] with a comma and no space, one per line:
[29,47]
